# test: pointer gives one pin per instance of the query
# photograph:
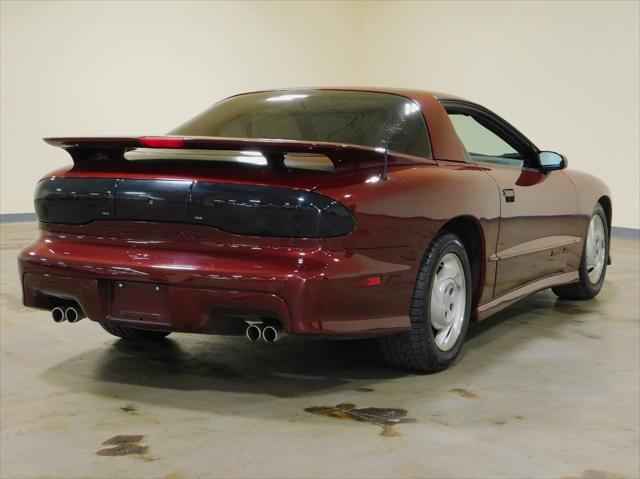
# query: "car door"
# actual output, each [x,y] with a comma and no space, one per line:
[538,230]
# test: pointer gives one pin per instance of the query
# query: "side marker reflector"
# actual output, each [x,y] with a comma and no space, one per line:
[372,281]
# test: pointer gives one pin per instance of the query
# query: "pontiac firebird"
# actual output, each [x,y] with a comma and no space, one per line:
[395,214]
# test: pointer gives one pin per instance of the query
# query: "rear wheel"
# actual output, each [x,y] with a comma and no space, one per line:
[440,310]
[593,265]
[134,334]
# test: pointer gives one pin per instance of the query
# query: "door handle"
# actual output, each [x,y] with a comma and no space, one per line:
[509,195]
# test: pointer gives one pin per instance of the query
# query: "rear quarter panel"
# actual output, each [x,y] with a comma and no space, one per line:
[398,218]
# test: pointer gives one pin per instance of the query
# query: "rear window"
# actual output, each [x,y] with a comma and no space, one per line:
[360,118]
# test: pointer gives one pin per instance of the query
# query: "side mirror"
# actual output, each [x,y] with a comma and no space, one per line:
[550,161]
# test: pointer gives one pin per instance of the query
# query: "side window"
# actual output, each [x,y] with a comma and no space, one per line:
[482,144]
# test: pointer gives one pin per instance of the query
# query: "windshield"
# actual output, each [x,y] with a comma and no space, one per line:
[359,118]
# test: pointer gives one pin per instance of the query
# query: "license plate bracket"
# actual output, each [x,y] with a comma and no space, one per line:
[145,302]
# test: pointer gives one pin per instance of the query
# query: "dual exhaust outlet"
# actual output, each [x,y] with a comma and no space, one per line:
[254,331]
[71,314]
[269,334]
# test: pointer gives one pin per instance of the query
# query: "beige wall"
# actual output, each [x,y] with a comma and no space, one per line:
[116,67]
[567,74]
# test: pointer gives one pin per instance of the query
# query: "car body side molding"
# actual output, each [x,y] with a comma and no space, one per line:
[534,246]
[501,302]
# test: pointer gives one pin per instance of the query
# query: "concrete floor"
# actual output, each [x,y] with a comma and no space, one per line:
[545,389]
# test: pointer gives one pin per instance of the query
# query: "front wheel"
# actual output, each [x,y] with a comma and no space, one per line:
[440,310]
[134,334]
[593,265]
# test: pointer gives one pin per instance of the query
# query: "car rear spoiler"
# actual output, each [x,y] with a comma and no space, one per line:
[110,150]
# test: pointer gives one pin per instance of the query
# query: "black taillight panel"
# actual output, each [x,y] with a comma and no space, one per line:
[75,200]
[268,211]
[153,200]
[237,208]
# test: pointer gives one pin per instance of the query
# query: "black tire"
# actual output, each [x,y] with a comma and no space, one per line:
[584,288]
[134,334]
[416,349]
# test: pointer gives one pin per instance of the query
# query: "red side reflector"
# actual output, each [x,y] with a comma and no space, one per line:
[161,142]
[372,281]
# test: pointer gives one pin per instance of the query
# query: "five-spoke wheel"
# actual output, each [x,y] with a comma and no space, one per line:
[448,297]
[440,310]
[595,248]
[593,265]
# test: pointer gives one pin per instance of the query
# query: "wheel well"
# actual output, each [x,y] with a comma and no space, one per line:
[605,202]
[468,229]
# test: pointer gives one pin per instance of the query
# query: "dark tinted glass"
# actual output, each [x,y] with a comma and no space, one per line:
[359,118]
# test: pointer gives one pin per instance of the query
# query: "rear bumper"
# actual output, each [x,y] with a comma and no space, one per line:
[187,309]
[206,286]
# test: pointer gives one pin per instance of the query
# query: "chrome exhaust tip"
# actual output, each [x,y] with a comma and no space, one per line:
[270,334]
[72,315]
[57,314]
[253,332]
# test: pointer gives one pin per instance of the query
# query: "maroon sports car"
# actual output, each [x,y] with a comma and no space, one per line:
[349,213]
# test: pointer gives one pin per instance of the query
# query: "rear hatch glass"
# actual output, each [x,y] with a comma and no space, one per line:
[371,119]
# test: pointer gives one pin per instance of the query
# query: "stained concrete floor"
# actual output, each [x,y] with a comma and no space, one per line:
[545,389]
